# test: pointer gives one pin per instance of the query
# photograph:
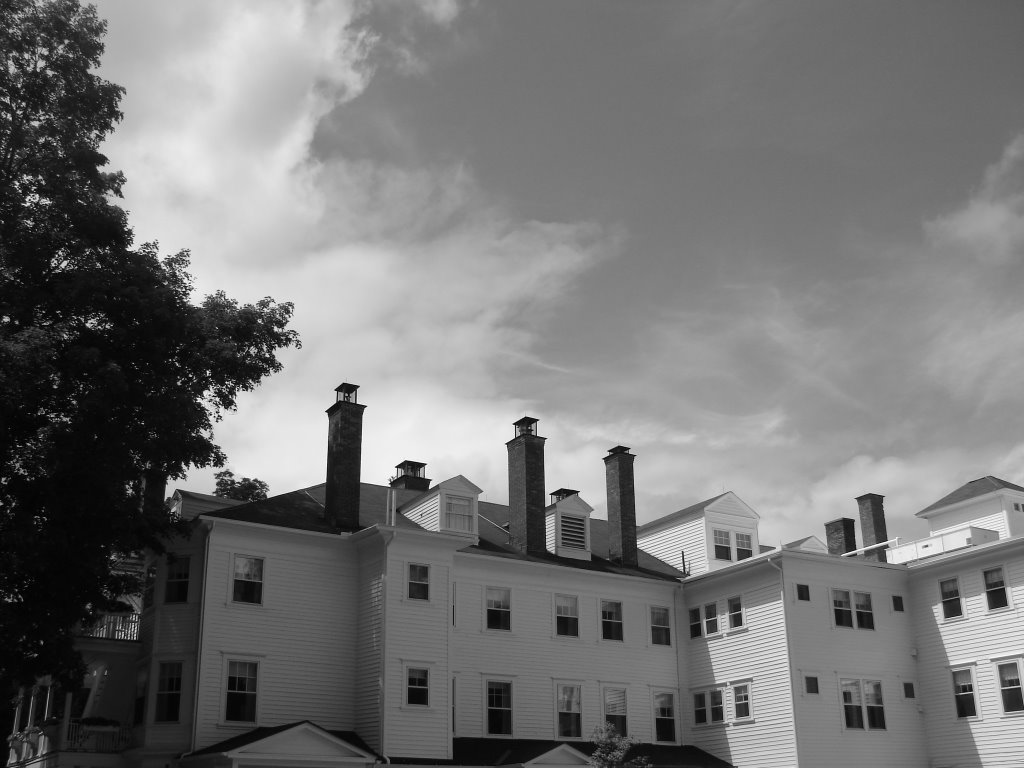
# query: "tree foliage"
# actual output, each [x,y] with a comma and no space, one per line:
[612,748]
[246,489]
[111,378]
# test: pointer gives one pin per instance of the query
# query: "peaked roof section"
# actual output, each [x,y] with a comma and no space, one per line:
[971,490]
[341,741]
[540,752]
[672,517]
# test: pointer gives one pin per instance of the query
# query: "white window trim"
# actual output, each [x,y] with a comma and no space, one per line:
[853,592]
[600,620]
[231,581]
[995,662]
[675,715]
[485,679]
[715,545]
[861,680]
[408,582]
[483,615]
[972,668]
[733,544]
[443,514]
[583,692]
[554,617]
[613,686]
[705,617]
[707,691]
[749,683]
[729,629]
[1006,589]
[227,658]
[432,693]
[941,616]
[670,626]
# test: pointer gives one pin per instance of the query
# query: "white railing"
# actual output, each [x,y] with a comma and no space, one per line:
[115,626]
[97,738]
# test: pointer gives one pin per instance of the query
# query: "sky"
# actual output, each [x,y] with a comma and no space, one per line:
[774,248]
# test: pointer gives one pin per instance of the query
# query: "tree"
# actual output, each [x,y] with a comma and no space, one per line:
[246,489]
[111,378]
[612,748]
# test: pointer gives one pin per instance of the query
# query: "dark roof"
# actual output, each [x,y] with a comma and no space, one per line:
[495,752]
[304,510]
[673,516]
[256,734]
[971,490]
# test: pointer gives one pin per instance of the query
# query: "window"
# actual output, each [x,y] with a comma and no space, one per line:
[741,701]
[661,631]
[417,686]
[567,616]
[862,605]
[862,702]
[499,708]
[949,589]
[419,581]
[147,587]
[803,592]
[168,692]
[696,628]
[664,717]
[811,684]
[248,586]
[744,546]
[711,619]
[570,720]
[995,589]
[574,532]
[458,513]
[841,608]
[963,693]
[874,705]
[897,603]
[499,608]
[723,545]
[708,707]
[1010,688]
[176,590]
[611,620]
[735,612]
[615,709]
[908,691]
[853,712]
[240,704]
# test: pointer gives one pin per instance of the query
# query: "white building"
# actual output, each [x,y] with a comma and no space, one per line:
[351,623]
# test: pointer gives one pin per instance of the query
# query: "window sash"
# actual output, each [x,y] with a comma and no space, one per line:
[963,693]
[567,617]
[711,618]
[168,693]
[735,612]
[744,546]
[741,701]
[570,723]
[419,581]
[951,606]
[615,709]
[611,620]
[248,580]
[176,589]
[995,589]
[499,708]
[664,717]
[417,687]
[1010,687]
[458,514]
[723,545]
[661,632]
[499,608]
[842,608]
[696,625]
[240,701]
[865,614]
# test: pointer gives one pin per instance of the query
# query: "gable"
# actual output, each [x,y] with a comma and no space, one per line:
[459,485]
[733,506]
[563,754]
[303,741]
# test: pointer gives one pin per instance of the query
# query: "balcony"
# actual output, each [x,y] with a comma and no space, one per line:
[114,626]
[49,737]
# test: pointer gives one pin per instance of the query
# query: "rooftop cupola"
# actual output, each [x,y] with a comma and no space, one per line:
[563,493]
[412,475]
[526,487]
[344,458]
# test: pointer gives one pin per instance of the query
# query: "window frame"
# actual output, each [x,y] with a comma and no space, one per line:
[869,716]
[235,581]
[255,694]
[808,685]
[469,516]
[421,584]
[610,625]
[1002,588]
[733,622]
[803,589]
[864,613]
[567,621]
[168,695]
[748,685]
[712,626]
[717,546]
[944,602]
[898,604]
[173,577]
[488,707]
[502,615]
[958,695]
[662,718]
[748,549]
[696,623]
[1015,662]
[708,707]
[661,632]
[842,614]
[616,690]
[576,715]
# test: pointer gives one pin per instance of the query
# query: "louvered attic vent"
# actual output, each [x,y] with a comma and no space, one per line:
[574,532]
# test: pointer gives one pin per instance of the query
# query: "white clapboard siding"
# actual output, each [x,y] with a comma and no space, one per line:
[689,536]
[426,514]
[978,641]
[984,513]
[755,654]
[370,642]
[303,636]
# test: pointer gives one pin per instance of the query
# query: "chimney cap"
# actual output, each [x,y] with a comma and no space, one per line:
[618,449]
[525,426]
[346,392]
[563,493]
[869,496]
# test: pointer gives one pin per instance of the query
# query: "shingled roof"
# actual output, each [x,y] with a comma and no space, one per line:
[971,490]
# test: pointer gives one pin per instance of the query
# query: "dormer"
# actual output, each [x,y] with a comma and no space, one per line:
[987,502]
[448,507]
[567,524]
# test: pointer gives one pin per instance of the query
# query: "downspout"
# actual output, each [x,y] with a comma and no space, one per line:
[199,645]
[789,661]
[386,537]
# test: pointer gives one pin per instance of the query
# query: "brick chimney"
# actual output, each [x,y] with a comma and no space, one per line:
[872,524]
[618,471]
[344,456]
[410,475]
[526,488]
[841,536]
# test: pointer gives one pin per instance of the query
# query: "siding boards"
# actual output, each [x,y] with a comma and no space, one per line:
[689,537]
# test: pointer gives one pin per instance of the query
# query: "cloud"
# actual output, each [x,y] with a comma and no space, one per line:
[990,227]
